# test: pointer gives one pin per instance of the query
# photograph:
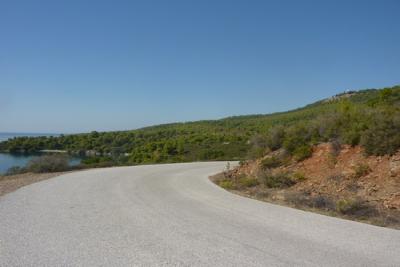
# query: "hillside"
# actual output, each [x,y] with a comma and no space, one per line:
[369,118]
[336,180]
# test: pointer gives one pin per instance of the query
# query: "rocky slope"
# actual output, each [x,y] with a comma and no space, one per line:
[337,180]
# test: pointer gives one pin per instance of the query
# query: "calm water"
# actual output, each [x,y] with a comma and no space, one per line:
[10,160]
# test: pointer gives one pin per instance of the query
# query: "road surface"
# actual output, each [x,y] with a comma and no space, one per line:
[172,215]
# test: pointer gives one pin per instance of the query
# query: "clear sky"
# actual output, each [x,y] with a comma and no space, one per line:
[75,66]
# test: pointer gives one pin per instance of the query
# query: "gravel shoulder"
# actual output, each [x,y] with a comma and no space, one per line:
[11,183]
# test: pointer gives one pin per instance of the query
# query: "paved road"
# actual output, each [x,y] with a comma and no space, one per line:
[172,215]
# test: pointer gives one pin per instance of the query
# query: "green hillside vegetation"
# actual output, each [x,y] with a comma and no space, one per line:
[370,118]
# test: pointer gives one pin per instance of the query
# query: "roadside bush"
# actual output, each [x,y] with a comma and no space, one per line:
[355,207]
[299,176]
[247,182]
[344,206]
[96,160]
[322,202]
[258,146]
[298,199]
[337,177]
[296,137]
[270,162]
[280,180]
[335,147]
[275,137]
[302,152]
[332,160]
[227,184]
[48,163]
[361,170]
[304,200]
[15,170]
[382,136]
[353,187]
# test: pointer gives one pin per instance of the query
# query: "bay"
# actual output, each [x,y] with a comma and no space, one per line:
[8,160]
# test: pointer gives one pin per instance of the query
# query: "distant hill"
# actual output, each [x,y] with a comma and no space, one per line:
[367,117]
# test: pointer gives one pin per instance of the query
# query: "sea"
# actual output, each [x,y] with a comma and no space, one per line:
[8,160]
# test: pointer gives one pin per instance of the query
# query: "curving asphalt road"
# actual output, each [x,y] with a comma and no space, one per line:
[172,215]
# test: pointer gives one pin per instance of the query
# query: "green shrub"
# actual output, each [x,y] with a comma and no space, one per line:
[304,200]
[302,152]
[361,170]
[355,207]
[299,176]
[96,160]
[15,170]
[298,199]
[332,160]
[227,184]
[275,137]
[270,162]
[248,182]
[280,180]
[48,163]
[296,137]
[335,147]
[322,202]
[344,206]
[382,136]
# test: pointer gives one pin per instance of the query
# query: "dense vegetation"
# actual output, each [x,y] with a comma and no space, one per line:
[370,118]
[45,164]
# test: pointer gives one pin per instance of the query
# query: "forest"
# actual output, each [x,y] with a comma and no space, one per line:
[369,118]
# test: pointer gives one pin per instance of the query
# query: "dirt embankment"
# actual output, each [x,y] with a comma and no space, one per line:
[11,183]
[338,181]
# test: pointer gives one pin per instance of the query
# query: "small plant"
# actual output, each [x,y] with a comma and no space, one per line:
[276,137]
[344,206]
[332,160]
[15,170]
[270,162]
[353,187]
[298,199]
[337,177]
[227,184]
[335,147]
[248,182]
[361,170]
[280,180]
[355,207]
[322,202]
[304,200]
[48,163]
[303,152]
[299,176]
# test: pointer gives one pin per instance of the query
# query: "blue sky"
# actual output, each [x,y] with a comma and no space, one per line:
[76,66]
